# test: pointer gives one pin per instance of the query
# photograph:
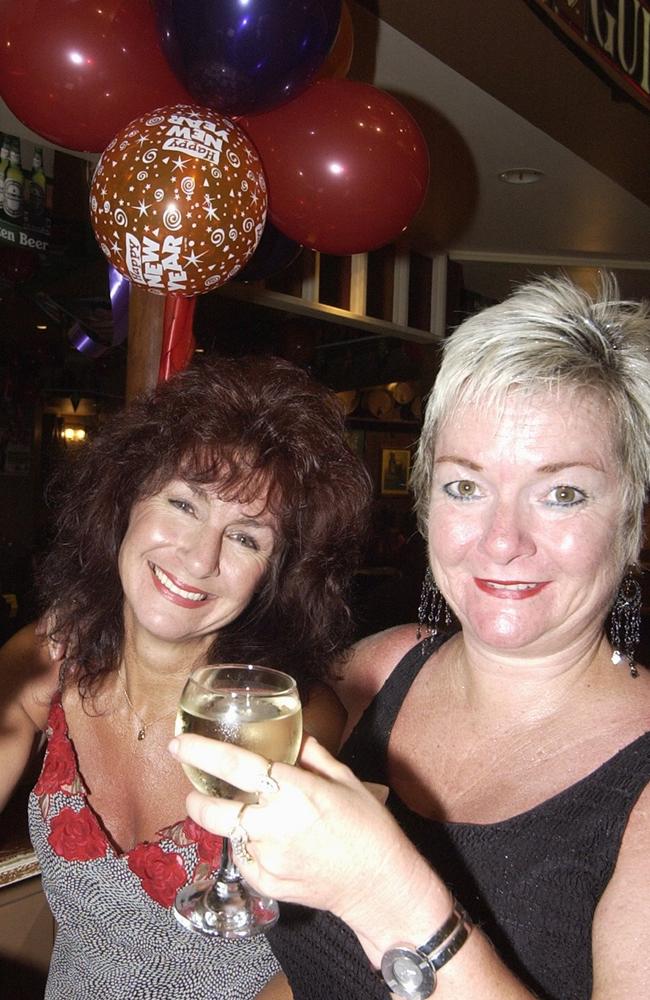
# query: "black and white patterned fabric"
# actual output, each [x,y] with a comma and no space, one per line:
[115,939]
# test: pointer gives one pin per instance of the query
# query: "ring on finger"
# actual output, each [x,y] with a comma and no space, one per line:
[238,837]
[267,784]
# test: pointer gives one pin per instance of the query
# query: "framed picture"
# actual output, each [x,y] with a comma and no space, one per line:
[395,468]
[357,441]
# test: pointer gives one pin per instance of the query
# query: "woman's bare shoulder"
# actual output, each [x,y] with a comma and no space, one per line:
[28,675]
[324,716]
[364,668]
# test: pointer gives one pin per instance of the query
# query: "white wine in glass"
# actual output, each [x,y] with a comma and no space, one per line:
[257,708]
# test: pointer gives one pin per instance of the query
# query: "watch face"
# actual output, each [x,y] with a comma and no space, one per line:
[408,974]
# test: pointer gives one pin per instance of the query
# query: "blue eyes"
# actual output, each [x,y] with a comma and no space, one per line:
[559,496]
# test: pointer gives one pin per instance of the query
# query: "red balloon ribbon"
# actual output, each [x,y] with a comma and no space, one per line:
[178,337]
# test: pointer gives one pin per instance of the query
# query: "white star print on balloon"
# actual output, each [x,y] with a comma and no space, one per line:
[178,200]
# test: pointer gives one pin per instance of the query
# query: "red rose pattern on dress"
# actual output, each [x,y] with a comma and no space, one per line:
[59,769]
[160,873]
[208,846]
[56,724]
[77,834]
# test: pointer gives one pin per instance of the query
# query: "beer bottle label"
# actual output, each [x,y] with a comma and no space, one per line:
[13,198]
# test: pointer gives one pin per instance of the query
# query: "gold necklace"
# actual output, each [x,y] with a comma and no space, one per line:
[142,731]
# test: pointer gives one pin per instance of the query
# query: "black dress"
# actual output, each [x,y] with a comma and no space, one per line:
[532,882]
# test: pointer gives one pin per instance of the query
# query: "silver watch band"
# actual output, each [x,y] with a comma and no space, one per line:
[437,955]
[412,972]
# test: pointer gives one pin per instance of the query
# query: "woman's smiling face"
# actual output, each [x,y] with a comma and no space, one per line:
[190,562]
[524,520]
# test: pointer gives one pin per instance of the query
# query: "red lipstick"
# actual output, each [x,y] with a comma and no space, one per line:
[510,590]
[171,595]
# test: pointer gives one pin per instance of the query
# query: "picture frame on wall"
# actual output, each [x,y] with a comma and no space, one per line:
[357,441]
[395,471]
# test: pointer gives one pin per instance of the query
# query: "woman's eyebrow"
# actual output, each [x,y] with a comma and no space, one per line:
[198,491]
[553,467]
[459,460]
[258,520]
[547,468]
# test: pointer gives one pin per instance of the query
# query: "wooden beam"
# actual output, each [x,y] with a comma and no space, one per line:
[144,344]
[358,283]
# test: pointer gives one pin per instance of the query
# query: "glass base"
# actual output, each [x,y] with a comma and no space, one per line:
[227,909]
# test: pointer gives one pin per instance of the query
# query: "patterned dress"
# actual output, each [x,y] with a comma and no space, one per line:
[117,938]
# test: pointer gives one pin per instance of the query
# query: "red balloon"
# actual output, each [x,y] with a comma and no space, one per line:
[178,200]
[77,71]
[346,164]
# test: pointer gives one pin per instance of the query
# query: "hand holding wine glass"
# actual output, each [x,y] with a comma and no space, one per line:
[324,840]
[257,708]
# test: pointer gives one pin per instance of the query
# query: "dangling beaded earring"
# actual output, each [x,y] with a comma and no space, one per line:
[625,622]
[432,608]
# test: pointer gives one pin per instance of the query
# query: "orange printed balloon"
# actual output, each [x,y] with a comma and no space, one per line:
[178,200]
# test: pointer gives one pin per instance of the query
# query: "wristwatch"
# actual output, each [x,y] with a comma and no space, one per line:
[412,972]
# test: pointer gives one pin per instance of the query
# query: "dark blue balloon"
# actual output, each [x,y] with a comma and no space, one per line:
[246,56]
[273,253]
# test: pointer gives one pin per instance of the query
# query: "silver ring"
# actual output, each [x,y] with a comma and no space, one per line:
[267,784]
[238,838]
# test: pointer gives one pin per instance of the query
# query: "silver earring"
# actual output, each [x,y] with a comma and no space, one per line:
[625,622]
[432,609]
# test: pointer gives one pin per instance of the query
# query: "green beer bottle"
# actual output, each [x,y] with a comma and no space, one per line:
[36,190]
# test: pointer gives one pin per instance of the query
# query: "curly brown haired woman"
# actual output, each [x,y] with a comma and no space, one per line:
[220,517]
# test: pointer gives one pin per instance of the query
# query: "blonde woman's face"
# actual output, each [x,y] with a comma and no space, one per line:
[524,521]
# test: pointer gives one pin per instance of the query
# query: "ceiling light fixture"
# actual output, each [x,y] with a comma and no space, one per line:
[521,175]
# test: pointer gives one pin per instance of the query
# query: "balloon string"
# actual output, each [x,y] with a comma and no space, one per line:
[178,338]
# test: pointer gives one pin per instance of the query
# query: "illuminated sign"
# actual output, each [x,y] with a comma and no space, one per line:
[613,33]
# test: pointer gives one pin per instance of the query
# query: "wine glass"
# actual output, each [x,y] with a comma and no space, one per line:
[257,708]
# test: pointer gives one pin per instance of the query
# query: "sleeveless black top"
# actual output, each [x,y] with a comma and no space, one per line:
[532,881]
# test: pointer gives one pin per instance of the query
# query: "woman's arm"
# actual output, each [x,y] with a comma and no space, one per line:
[324,840]
[621,929]
[28,679]
[276,989]
[362,670]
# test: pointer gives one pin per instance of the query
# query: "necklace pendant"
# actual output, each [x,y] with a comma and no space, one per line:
[142,733]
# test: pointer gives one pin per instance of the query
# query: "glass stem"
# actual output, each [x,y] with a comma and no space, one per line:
[228,870]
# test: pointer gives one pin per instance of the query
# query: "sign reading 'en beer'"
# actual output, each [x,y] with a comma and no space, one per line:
[614,33]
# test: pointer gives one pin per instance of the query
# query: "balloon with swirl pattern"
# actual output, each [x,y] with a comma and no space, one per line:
[178,200]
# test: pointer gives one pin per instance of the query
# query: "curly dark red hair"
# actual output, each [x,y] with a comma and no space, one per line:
[245,424]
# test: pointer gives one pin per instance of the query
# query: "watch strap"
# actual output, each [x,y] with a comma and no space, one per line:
[439,952]
[412,972]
